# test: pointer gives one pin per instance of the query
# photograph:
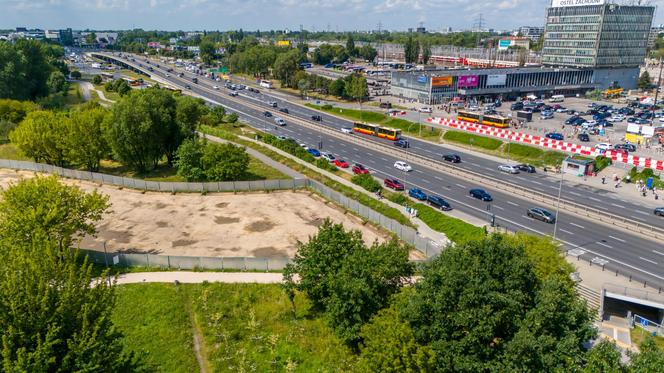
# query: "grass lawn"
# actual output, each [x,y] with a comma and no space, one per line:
[458,231]
[638,335]
[74,95]
[10,151]
[244,327]
[157,326]
[113,96]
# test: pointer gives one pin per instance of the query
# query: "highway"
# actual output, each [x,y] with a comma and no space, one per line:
[617,249]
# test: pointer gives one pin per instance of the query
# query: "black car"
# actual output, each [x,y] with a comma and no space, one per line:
[626,147]
[481,194]
[541,214]
[402,143]
[583,137]
[187,86]
[452,158]
[267,114]
[438,202]
[526,168]
[284,110]
[659,211]
[316,118]
[517,106]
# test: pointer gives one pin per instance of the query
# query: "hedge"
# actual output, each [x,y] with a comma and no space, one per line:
[458,231]
[367,182]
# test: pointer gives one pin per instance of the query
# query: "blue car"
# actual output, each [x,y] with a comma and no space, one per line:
[481,194]
[313,152]
[417,194]
[555,136]
[439,202]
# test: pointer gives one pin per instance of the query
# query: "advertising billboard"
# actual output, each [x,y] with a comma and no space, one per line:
[468,81]
[504,44]
[566,3]
[441,81]
[422,79]
[283,43]
[496,79]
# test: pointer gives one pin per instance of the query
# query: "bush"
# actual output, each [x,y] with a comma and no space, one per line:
[75,74]
[96,79]
[325,165]
[398,198]
[602,162]
[456,230]
[474,140]
[367,182]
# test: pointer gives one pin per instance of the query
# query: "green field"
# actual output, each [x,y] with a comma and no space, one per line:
[243,328]
[458,231]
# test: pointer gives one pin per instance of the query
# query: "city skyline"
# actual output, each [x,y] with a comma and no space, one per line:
[340,15]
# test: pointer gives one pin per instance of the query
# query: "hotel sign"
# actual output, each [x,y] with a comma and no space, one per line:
[567,3]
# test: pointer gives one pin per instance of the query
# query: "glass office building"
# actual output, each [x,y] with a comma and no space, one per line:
[596,36]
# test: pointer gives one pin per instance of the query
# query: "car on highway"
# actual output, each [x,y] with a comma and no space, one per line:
[417,194]
[555,136]
[426,110]
[313,152]
[316,118]
[393,184]
[438,202]
[279,121]
[509,169]
[604,146]
[215,87]
[402,143]
[282,137]
[187,86]
[329,157]
[272,103]
[626,147]
[359,169]
[233,94]
[284,110]
[541,214]
[341,163]
[454,158]
[267,114]
[347,130]
[526,168]
[402,166]
[583,137]
[481,194]
[659,211]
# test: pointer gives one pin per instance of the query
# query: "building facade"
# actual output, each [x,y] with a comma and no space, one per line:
[596,36]
[531,32]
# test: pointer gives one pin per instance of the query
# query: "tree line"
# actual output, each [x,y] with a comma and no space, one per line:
[495,304]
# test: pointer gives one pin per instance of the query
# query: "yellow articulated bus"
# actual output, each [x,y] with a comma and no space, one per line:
[374,130]
[487,120]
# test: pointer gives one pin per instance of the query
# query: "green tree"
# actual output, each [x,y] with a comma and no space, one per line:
[56,82]
[411,50]
[357,89]
[368,277]
[604,357]
[318,261]
[350,46]
[389,345]
[285,66]
[426,51]
[91,38]
[644,80]
[207,52]
[76,74]
[368,53]
[337,87]
[42,135]
[224,162]
[96,79]
[121,87]
[543,253]
[37,69]
[188,112]
[650,358]
[86,143]
[189,160]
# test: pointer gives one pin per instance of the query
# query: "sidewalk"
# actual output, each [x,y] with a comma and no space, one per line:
[199,277]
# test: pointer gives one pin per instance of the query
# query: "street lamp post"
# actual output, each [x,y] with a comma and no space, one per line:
[656,92]
[560,191]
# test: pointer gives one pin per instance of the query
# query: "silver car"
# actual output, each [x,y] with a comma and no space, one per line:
[509,169]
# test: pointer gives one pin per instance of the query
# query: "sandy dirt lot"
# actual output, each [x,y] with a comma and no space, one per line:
[251,224]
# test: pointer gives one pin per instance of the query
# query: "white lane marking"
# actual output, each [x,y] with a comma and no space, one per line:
[648,260]
[512,203]
[617,239]
[618,206]
[657,252]
[605,245]
[642,213]
[475,164]
[594,199]
[498,207]
[437,178]
[578,226]
[356,149]
[461,186]
[553,187]
[369,154]
[566,231]
[535,182]
[383,159]
[426,181]
[575,194]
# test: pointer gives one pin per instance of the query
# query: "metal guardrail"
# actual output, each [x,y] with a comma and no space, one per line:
[505,186]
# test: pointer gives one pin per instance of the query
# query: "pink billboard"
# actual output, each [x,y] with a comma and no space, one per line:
[468,81]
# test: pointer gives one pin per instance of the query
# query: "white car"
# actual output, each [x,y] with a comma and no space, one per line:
[216,87]
[426,110]
[509,169]
[604,146]
[168,75]
[329,157]
[304,146]
[402,166]
[279,121]
[282,138]
[615,118]
[347,130]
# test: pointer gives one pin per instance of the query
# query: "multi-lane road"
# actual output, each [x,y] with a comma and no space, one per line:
[631,254]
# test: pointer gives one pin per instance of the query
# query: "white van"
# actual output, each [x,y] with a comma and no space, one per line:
[557,98]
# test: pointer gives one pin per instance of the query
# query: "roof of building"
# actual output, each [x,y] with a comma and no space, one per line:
[480,71]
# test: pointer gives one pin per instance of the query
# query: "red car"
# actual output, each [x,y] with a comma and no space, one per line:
[358,169]
[340,163]
[393,184]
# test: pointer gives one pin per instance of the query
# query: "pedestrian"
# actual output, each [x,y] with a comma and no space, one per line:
[603,180]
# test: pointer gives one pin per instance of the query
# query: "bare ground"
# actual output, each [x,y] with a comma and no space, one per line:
[247,224]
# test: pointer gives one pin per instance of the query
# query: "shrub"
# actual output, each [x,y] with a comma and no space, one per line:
[456,230]
[96,79]
[325,165]
[474,140]
[398,198]
[602,162]
[367,182]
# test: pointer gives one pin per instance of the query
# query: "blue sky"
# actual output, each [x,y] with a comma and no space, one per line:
[271,14]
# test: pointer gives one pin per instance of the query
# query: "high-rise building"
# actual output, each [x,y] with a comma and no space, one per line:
[600,35]
[531,32]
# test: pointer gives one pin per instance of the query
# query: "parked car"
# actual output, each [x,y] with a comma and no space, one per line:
[583,137]
[282,138]
[438,202]
[509,169]
[526,168]
[604,146]
[279,121]
[341,163]
[555,136]
[659,211]
[481,194]
[393,184]
[314,152]
[417,194]
[402,166]
[426,110]
[452,158]
[359,169]
[402,143]
[626,147]
[347,130]
[546,115]
[329,157]
[541,214]
[267,114]
[316,118]
[516,106]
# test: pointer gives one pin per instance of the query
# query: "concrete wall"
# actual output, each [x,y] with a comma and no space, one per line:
[626,78]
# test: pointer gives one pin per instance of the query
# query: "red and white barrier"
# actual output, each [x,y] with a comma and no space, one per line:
[508,134]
